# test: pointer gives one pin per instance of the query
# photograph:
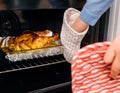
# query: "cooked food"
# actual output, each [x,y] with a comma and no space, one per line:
[32,40]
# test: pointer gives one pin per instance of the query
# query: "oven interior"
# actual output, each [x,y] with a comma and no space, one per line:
[50,74]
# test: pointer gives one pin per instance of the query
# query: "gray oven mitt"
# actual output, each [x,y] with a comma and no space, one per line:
[70,39]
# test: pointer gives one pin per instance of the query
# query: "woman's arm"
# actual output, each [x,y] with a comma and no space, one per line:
[93,9]
[91,12]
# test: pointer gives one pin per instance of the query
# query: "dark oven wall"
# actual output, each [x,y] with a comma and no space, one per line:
[43,19]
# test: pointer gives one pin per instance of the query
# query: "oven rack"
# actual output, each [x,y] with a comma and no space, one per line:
[8,66]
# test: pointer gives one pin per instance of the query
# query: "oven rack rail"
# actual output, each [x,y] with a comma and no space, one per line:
[55,88]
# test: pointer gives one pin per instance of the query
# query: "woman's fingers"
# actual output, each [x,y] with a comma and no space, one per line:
[113,56]
[109,56]
[115,68]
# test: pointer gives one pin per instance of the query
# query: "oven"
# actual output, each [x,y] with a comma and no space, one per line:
[48,74]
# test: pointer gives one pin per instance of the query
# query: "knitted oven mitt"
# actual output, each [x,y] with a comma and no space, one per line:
[90,74]
[70,39]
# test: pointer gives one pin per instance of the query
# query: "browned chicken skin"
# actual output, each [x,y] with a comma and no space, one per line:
[30,41]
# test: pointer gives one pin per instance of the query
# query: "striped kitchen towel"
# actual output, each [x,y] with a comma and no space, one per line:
[90,74]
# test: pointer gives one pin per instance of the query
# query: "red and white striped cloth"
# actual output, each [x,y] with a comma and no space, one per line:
[90,74]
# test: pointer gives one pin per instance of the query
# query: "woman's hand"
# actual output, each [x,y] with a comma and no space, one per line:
[112,57]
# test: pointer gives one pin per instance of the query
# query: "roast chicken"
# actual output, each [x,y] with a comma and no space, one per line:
[32,40]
